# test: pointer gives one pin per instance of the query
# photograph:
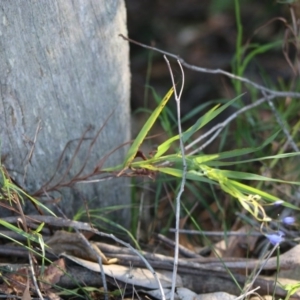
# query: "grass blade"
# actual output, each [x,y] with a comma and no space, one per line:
[143,133]
[202,121]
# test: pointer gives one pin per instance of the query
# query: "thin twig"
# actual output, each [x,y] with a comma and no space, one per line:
[247,294]
[37,289]
[177,213]
[87,244]
[141,207]
[93,143]
[217,233]
[183,250]
[64,181]
[281,124]
[111,236]
[38,128]
[46,186]
[31,220]
[219,127]
[262,266]
[214,71]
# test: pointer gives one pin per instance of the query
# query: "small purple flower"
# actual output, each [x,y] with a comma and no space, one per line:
[275,238]
[278,202]
[288,220]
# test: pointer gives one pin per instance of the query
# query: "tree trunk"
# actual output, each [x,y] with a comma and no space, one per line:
[63,70]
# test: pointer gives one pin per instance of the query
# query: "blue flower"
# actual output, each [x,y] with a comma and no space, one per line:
[278,202]
[275,238]
[288,220]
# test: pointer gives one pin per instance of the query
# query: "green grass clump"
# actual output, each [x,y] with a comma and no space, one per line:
[206,168]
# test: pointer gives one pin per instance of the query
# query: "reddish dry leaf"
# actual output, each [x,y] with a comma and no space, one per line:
[5,289]
[52,274]
[16,282]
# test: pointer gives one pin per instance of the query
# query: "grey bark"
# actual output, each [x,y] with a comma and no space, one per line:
[63,65]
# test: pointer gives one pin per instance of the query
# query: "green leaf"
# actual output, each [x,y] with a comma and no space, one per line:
[39,204]
[233,153]
[40,227]
[210,115]
[250,176]
[191,175]
[170,171]
[18,231]
[258,50]
[167,160]
[291,289]
[265,195]
[230,163]
[144,131]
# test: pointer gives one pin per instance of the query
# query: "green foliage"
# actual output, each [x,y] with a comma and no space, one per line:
[291,289]
[8,191]
[164,147]
[231,170]
[200,167]
[143,133]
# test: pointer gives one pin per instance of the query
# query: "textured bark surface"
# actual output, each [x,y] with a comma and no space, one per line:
[63,65]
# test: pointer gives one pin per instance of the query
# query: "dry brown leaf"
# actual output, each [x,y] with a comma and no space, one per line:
[52,274]
[26,295]
[236,246]
[52,296]
[15,282]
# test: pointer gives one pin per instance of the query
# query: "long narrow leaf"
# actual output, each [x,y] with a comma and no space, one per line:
[144,131]
[210,115]
[191,175]
[249,176]
[230,163]
[265,195]
[19,231]
[234,153]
